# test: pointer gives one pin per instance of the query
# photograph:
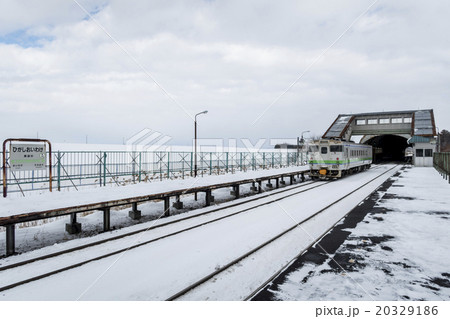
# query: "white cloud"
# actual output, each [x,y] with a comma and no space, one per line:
[231,57]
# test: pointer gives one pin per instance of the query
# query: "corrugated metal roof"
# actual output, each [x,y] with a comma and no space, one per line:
[423,123]
[335,131]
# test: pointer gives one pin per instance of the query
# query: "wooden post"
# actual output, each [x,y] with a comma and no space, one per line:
[106,219]
[208,197]
[166,206]
[10,240]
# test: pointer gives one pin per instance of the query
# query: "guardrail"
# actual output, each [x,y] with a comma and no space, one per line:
[73,169]
[441,162]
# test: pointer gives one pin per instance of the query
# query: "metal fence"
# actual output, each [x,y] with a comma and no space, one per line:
[74,169]
[441,162]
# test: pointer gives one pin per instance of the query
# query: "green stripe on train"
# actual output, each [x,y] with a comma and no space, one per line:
[341,161]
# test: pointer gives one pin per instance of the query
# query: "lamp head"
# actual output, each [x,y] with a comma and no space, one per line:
[204,112]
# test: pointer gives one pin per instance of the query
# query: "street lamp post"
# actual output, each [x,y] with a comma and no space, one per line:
[195,141]
[302,141]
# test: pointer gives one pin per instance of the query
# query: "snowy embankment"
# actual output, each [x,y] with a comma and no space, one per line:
[158,270]
[40,202]
[398,252]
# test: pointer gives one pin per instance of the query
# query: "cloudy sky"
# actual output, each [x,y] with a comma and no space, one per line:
[110,68]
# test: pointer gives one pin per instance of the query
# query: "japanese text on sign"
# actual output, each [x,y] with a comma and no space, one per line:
[27,157]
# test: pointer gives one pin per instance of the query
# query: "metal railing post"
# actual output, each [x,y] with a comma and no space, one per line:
[59,171]
[168,165]
[140,166]
[104,169]
[133,166]
[218,164]
[182,167]
[226,163]
[100,168]
[160,166]
[192,159]
[240,161]
[264,160]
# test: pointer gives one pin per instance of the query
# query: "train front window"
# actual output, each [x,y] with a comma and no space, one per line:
[336,148]
[324,150]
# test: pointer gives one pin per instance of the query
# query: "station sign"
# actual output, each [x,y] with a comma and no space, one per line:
[27,157]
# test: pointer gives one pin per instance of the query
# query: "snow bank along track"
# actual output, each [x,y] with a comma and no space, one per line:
[258,201]
[261,200]
[235,263]
[10,221]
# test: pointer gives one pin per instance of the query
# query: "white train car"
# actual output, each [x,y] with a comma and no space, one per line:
[335,158]
[409,153]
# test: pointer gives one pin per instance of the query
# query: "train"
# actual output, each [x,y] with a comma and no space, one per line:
[332,159]
[409,153]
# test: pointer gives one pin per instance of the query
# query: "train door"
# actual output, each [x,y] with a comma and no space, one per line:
[347,158]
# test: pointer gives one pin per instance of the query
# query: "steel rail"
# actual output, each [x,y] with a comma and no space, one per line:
[19,283]
[266,243]
[256,291]
[99,242]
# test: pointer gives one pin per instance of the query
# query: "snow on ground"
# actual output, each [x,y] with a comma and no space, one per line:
[158,270]
[37,234]
[399,251]
[33,235]
[241,280]
[10,206]
[165,229]
[50,232]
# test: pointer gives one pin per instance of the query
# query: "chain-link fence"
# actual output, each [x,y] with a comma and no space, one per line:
[75,169]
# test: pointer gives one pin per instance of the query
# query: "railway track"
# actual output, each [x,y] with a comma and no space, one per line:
[236,261]
[234,203]
[274,196]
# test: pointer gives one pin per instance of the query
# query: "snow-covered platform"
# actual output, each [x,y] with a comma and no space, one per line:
[49,205]
[392,247]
